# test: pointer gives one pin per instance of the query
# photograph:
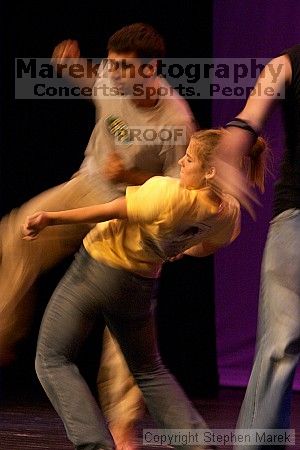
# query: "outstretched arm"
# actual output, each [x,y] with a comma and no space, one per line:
[269,87]
[237,143]
[35,223]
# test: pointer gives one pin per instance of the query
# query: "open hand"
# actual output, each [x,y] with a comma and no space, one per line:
[65,49]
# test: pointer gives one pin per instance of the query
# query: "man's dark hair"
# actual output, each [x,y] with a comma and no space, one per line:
[140,38]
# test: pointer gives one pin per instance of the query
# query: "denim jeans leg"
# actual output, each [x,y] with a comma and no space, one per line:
[267,403]
[67,321]
[125,300]
[134,329]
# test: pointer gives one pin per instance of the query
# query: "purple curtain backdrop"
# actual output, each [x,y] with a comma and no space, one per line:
[261,29]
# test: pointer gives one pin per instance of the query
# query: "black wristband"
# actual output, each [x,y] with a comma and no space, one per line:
[240,123]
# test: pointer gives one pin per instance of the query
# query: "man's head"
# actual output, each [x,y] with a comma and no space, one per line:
[132,60]
[139,39]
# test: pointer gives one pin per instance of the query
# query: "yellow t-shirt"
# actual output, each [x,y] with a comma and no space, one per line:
[164,219]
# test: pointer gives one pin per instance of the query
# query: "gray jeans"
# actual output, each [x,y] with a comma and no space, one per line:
[267,402]
[89,289]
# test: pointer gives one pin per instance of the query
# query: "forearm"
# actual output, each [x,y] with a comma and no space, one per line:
[35,223]
[269,88]
[90,214]
[234,145]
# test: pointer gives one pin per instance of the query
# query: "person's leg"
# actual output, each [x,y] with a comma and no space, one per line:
[69,317]
[130,318]
[267,402]
[23,261]
[120,397]
[125,301]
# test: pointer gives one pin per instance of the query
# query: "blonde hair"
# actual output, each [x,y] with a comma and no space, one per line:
[205,143]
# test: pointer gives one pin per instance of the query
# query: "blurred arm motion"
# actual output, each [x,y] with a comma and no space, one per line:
[35,223]
[270,87]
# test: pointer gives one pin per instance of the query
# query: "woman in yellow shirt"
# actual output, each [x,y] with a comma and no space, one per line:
[114,274]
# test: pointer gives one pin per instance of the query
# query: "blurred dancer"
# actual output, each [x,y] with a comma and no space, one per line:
[114,274]
[267,403]
[111,163]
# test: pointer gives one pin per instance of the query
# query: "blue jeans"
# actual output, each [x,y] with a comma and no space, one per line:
[89,289]
[267,402]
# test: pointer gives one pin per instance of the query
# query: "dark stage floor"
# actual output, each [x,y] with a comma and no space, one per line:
[33,424]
